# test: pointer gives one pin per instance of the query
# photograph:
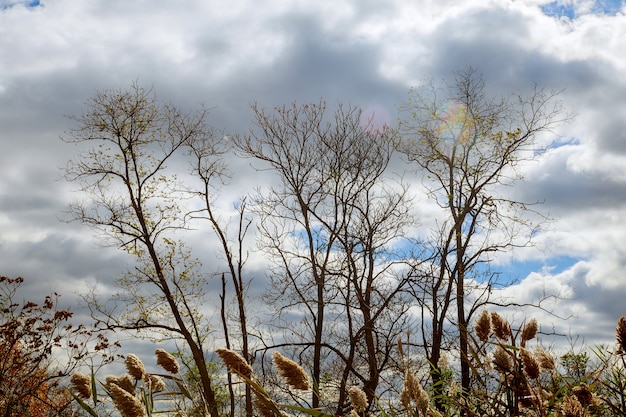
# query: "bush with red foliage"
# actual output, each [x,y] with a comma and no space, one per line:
[32,338]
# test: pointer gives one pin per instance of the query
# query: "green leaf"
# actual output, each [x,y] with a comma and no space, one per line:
[94,387]
[84,405]
[183,389]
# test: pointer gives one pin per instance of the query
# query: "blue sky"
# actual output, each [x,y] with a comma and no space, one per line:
[5,4]
[574,8]
[55,54]
[516,271]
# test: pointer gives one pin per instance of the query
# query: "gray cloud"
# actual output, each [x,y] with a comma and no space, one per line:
[563,188]
[56,56]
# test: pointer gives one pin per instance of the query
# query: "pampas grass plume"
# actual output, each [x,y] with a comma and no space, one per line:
[291,372]
[530,331]
[82,384]
[167,361]
[135,366]
[358,399]
[483,326]
[128,405]
[531,366]
[235,362]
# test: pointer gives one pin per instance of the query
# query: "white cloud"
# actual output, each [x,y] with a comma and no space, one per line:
[53,57]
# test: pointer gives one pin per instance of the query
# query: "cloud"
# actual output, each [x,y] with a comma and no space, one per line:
[55,56]
[572,306]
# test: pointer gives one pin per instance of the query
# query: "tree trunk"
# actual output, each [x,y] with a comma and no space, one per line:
[317,349]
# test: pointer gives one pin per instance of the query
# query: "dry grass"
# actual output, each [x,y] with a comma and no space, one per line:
[133,394]
[510,378]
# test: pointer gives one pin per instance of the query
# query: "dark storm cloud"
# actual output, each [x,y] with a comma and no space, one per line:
[609,305]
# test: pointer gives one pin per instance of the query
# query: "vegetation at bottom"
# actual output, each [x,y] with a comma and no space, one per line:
[512,375]
[510,378]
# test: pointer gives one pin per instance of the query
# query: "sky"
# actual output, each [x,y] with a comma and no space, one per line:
[56,54]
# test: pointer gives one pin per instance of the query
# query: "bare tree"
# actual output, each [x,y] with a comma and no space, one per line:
[209,169]
[376,214]
[327,225]
[127,138]
[289,142]
[469,147]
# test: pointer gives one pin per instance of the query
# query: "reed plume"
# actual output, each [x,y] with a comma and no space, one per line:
[502,360]
[291,372]
[135,366]
[545,359]
[128,405]
[621,336]
[571,407]
[154,382]
[410,389]
[82,384]
[501,328]
[125,382]
[263,407]
[529,331]
[482,327]
[358,399]
[531,366]
[167,361]
[235,362]
[582,393]
[412,392]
